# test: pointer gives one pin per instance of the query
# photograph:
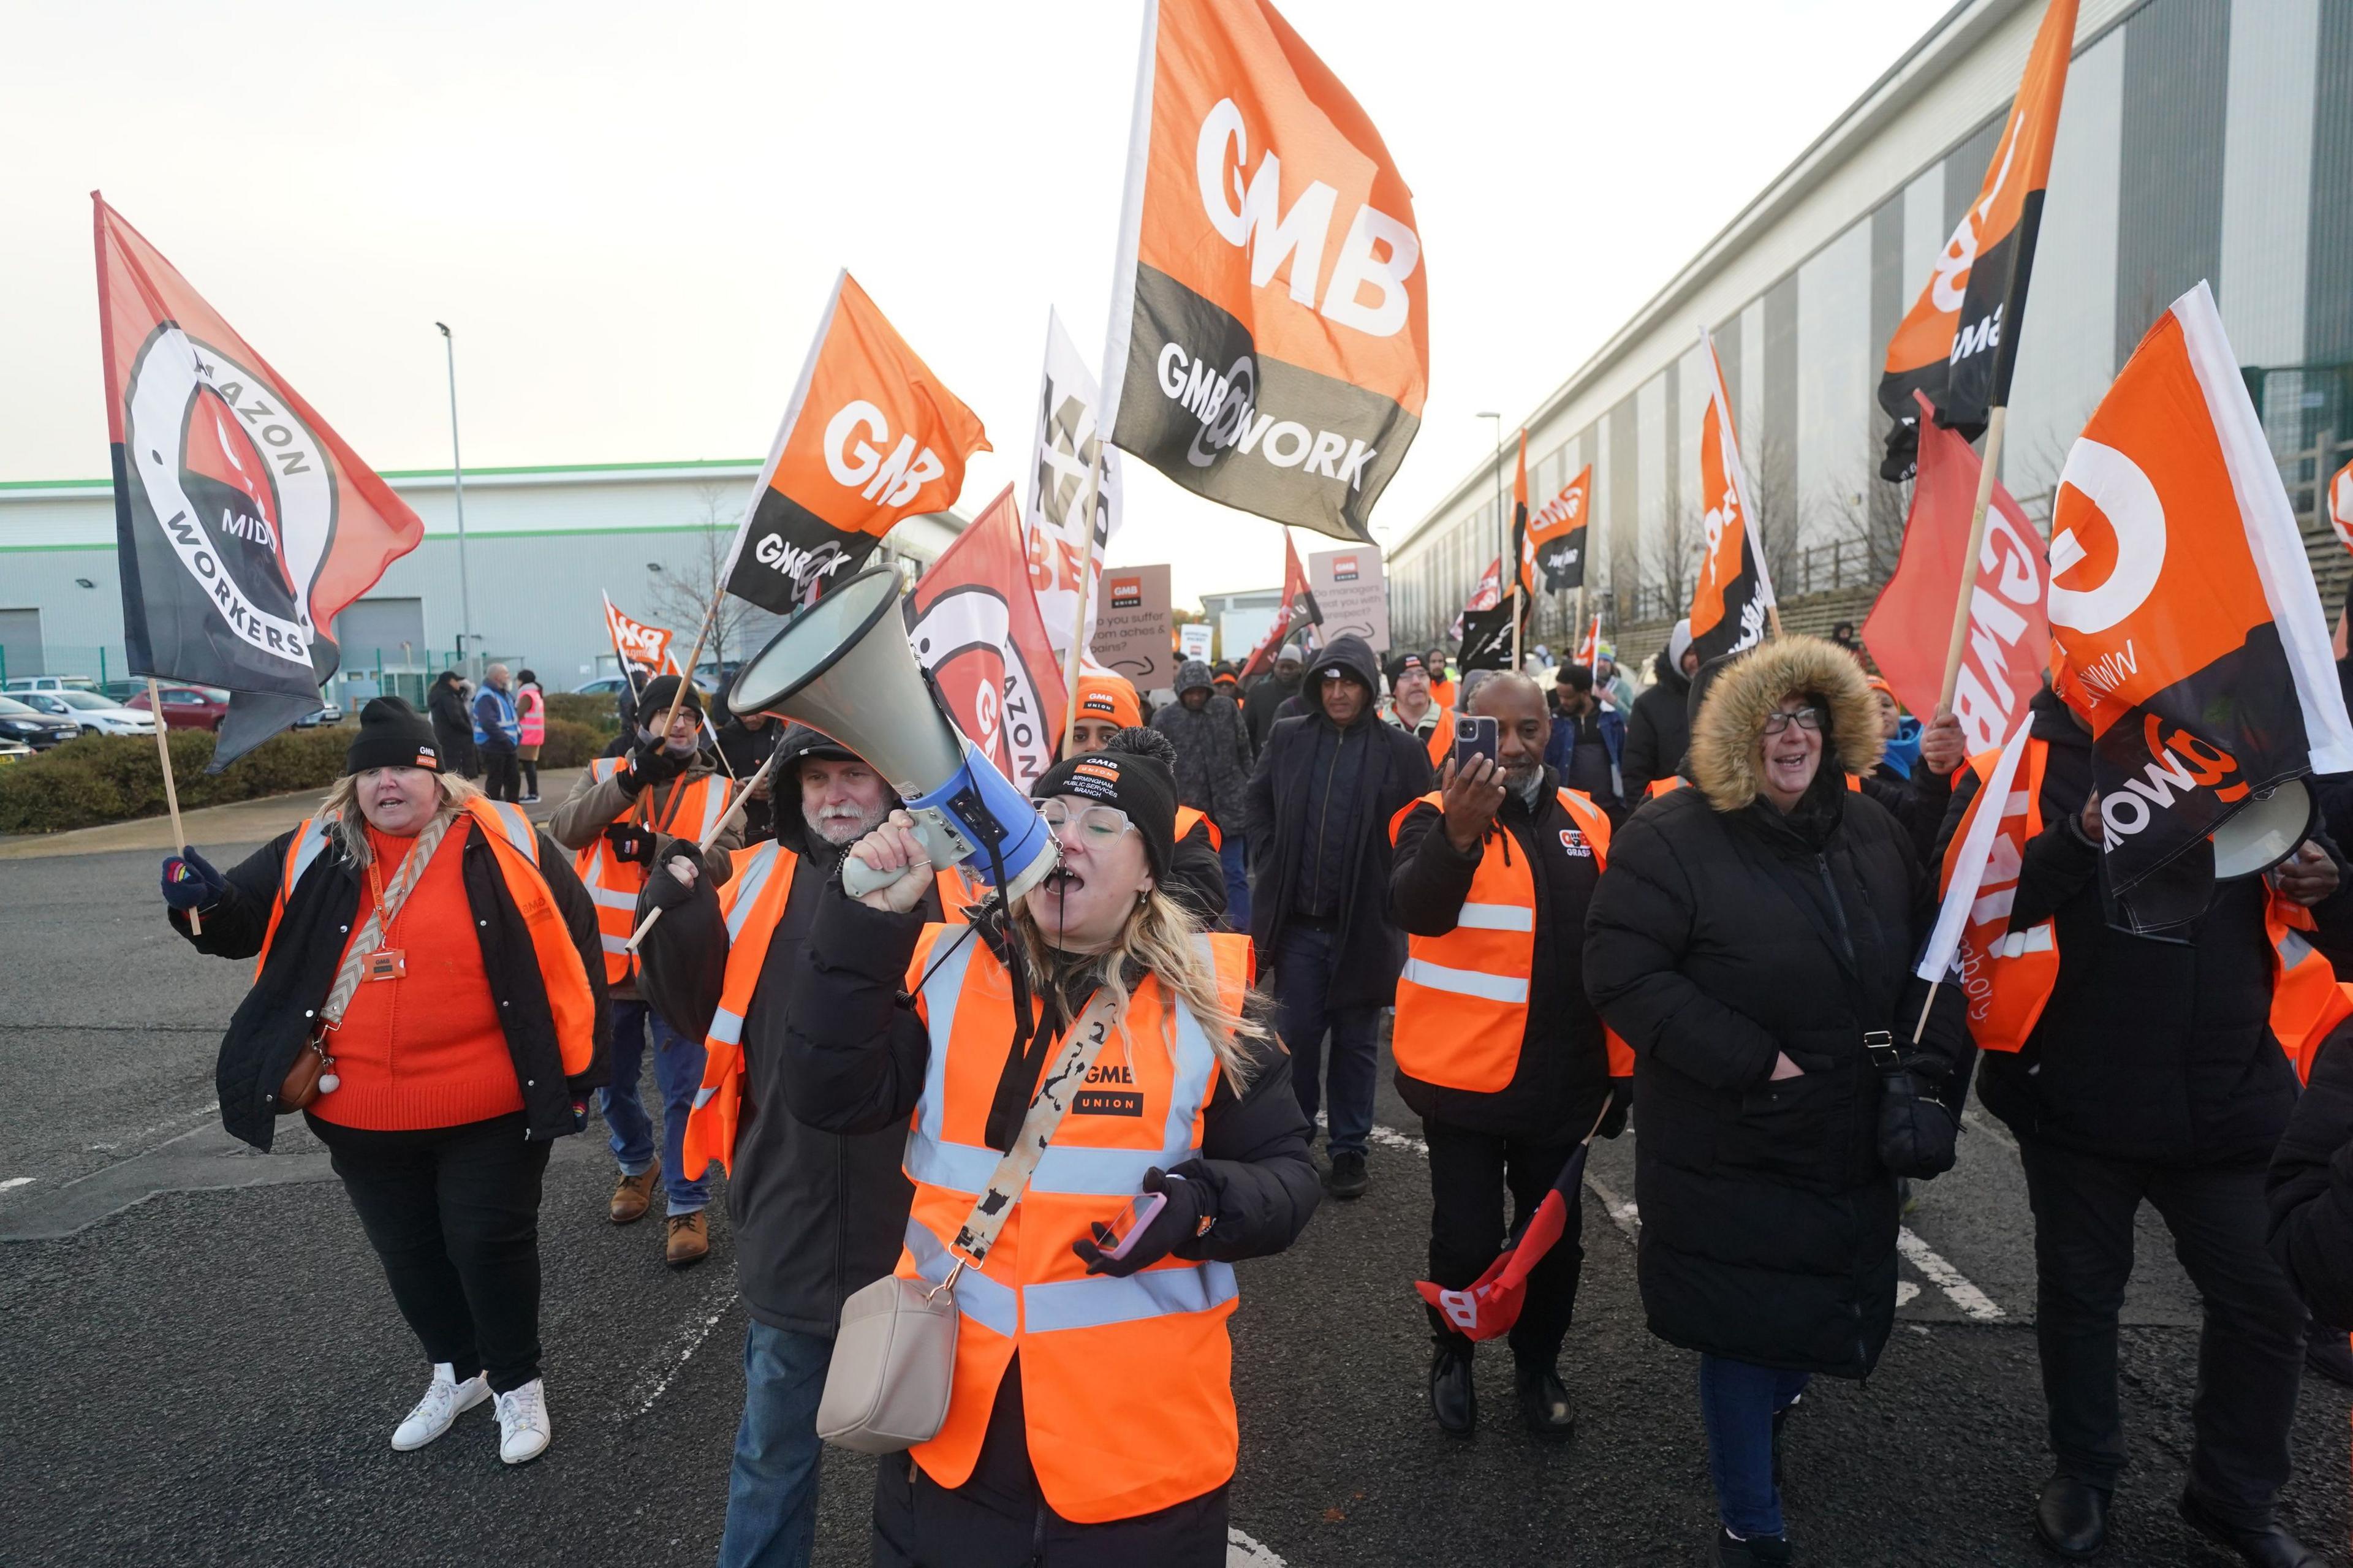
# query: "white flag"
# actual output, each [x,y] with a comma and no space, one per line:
[1070,437]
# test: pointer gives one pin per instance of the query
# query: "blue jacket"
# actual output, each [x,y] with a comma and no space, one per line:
[494,716]
[1562,747]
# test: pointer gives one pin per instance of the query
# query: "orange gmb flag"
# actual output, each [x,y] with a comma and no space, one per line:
[870,436]
[1521,583]
[633,642]
[1552,558]
[1959,340]
[2184,622]
[2340,505]
[1270,330]
[1732,592]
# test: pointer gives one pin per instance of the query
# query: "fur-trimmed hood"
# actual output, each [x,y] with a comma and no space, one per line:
[1731,720]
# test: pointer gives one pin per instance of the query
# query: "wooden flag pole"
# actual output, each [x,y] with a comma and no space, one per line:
[678,697]
[1997,418]
[171,790]
[734,808]
[1515,618]
[1773,617]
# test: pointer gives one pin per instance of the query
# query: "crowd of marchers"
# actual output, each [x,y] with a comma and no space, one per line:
[1695,910]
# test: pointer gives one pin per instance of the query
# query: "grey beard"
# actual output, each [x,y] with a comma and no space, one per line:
[842,832]
[1526,783]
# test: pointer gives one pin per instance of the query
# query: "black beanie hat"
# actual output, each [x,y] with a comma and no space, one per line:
[1132,773]
[392,735]
[655,700]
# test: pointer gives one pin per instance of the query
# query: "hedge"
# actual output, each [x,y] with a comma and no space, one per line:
[588,707]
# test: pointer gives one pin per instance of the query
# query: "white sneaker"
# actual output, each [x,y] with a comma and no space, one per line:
[522,1423]
[443,1400]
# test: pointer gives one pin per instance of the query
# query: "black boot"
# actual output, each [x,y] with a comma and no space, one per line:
[2267,1546]
[2071,1517]
[2330,1356]
[1545,1403]
[1452,1399]
[1729,1550]
[1347,1177]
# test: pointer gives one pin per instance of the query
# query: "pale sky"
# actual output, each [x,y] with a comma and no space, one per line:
[630,214]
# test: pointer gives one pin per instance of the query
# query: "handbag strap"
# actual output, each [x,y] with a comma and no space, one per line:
[387,909]
[1101,1016]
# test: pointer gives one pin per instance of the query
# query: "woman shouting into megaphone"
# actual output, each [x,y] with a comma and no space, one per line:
[1085,1175]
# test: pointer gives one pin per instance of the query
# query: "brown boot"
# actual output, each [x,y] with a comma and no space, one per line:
[632,1194]
[690,1240]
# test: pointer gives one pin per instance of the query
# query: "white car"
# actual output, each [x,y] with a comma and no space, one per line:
[50,683]
[97,715]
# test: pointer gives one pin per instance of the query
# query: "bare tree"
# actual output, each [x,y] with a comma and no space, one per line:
[687,585]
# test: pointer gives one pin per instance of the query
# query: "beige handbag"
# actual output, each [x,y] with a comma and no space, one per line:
[894,1364]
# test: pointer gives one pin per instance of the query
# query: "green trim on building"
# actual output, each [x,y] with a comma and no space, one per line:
[690,465]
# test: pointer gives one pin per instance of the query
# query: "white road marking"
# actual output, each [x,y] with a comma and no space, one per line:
[17,1181]
[169,1122]
[681,1347]
[1904,1291]
[1242,1552]
[1994,1129]
[1621,1211]
[1390,1137]
[1971,1302]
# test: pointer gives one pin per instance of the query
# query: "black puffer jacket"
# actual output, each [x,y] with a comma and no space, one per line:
[1725,934]
[1658,731]
[1564,1072]
[2311,1187]
[270,1026]
[2150,1050]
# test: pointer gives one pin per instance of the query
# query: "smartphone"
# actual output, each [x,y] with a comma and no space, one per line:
[1474,736]
[1117,1237]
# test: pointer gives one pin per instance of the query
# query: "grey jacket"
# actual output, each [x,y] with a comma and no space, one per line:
[1213,750]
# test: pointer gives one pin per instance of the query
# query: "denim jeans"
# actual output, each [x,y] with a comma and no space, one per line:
[771,1486]
[1303,961]
[1235,858]
[677,1073]
[1737,1402]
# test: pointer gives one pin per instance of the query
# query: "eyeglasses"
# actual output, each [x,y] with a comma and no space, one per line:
[1097,824]
[1803,717]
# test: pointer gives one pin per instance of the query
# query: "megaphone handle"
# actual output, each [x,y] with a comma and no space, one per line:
[858,879]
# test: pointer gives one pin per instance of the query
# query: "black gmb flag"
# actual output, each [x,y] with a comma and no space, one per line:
[1960,340]
[1270,330]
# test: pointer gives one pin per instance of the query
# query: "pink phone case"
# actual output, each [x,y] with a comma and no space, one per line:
[1142,1217]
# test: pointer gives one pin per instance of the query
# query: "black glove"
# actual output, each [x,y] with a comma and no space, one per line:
[631,842]
[652,763]
[190,882]
[663,889]
[1187,1213]
[1621,1104]
[1918,1134]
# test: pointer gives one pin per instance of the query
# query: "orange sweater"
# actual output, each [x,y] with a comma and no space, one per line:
[426,1050]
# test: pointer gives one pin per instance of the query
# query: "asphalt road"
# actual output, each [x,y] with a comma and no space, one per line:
[199,1361]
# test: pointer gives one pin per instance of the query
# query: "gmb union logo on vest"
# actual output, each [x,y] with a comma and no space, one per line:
[1098,1100]
[1573,841]
[237,484]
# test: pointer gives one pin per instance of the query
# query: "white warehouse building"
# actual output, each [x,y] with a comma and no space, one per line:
[2198,138]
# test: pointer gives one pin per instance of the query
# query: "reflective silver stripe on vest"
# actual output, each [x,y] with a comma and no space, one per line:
[986,1301]
[316,835]
[604,896]
[1111,1172]
[1467,982]
[613,943]
[727,1029]
[714,806]
[517,828]
[745,891]
[2293,949]
[1092,1302]
[1496,916]
[703,1096]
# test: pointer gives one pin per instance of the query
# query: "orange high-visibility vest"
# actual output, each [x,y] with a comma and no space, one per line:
[689,809]
[1186,817]
[514,844]
[2007,1000]
[751,905]
[1442,693]
[1126,1383]
[1462,1000]
[1442,738]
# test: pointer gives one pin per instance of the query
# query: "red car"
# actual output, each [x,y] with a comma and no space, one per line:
[188,707]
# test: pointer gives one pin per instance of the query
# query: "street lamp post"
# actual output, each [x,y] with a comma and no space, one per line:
[458,478]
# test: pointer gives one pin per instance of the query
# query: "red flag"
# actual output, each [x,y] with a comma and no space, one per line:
[1485,596]
[243,523]
[972,622]
[1298,612]
[1492,1304]
[2009,641]
[1589,652]
[1732,597]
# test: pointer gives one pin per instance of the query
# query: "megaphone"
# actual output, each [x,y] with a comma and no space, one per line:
[843,666]
[2264,832]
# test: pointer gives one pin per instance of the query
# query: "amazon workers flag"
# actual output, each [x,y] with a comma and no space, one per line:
[1732,593]
[1298,617]
[1552,559]
[2009,641]
[1959,340]
[2184,622]
[869,437]
[1269,331]
[243,523]
[974,622]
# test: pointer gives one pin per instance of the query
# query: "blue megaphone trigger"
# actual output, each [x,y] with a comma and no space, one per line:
[980,810]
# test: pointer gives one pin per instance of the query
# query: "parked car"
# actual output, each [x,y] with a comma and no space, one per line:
[14,751]
[188,707]
[327,717]
[33,728]
[122,692]
[49,683]
[97,715]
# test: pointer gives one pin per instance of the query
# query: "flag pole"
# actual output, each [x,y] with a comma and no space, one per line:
[1077,654]
[678,697]
[1997,419]
[171,790]
[734,809]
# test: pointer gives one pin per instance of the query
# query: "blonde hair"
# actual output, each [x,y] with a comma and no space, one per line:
[1158,939]
[343,801]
